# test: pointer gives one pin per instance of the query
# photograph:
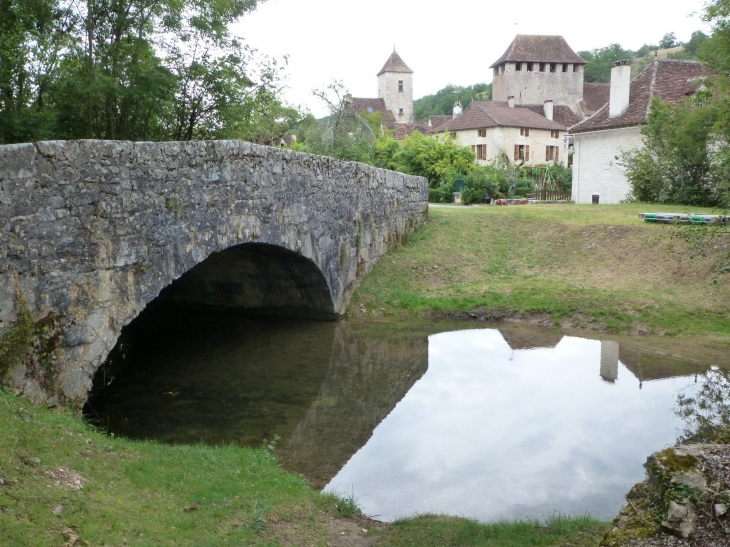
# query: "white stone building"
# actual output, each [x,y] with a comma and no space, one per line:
[599,141]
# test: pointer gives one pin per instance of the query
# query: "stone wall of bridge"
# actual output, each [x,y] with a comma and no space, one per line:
[93,231]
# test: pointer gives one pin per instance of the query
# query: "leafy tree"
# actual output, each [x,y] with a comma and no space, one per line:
[695,43]
[442,102]
[675,163]
[601,60]
[437,159]
[343,134]
[669,40]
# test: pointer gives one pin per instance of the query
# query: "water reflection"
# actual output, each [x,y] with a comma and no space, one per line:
[484,423]
[496,432]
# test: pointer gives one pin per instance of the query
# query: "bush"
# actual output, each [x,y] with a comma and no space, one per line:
[433,195]
[483,179]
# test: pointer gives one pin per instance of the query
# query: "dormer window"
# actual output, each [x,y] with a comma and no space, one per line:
[400,89]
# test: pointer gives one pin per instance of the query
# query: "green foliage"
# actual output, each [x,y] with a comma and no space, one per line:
[692,48]
[438,159]
[442,102]
[482,180]
[706,414]
[133,70]
[668,40]
[675,165]
[601,60]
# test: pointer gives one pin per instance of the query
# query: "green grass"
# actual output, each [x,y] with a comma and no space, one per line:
[145,493]
[591,266]
[438,531]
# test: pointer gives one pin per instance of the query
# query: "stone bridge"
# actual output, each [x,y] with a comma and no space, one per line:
[91,232]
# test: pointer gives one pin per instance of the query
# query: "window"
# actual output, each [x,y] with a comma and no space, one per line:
[400,86]
[518,66]
[530,67]
[575,68]
[524,131]
[400,111]
[555,134]
[522,152]
[551,153]
[565,67]
[501,69]
[453,134]
[481,132]
[552,67]
[543,67]
[481,151]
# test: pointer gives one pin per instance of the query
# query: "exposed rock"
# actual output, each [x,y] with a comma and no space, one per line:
[683,502]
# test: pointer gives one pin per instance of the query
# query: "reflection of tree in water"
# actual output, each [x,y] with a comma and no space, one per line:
[707,413]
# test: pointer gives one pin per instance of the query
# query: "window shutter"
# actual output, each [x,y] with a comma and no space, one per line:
[527,153]
[485,152]
[547,153]
[473,148]
[517,152]
[557,149]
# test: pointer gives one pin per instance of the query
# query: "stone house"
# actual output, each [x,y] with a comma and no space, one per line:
[526,136]
[600,140]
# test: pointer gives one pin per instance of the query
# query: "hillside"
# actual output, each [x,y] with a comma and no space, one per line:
[442,102]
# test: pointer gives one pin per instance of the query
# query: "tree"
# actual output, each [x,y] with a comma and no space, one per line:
[442,102]
[437,159]
[343,133]
[601,60]
[675,164]
[669,40]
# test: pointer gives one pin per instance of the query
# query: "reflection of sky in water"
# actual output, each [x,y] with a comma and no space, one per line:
[492,433]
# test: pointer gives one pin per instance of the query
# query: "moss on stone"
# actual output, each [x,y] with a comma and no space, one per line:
[18,339]
[677,463]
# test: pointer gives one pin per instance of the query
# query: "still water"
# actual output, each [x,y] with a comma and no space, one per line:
[483,423]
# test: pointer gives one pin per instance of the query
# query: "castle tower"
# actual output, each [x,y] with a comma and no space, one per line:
[539,68]
[395,87]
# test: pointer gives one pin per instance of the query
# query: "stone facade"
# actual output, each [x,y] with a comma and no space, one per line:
[596,164]
[395,100]
[533,87]
[505,138]
[92,231]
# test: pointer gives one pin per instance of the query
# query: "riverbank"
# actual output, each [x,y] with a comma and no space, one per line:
[61,481]
[599,268]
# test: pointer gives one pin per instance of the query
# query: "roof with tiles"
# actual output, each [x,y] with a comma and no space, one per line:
[539,48]
[402,130]
[595,95]
[485,114]
[435,121]
[561,114]
[394,64]
[360,104]
[669,80]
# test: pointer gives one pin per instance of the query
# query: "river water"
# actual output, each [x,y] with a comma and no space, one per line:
[409,417]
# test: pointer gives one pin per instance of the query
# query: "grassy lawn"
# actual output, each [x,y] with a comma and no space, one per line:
[596,267]
[145,493]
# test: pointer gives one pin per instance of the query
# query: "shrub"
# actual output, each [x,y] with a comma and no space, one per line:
[483,179]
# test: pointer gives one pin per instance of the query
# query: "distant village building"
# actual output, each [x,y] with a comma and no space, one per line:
[600,140]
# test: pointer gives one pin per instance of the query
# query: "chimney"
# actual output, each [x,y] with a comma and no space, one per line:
[620,88]
[549,109]
[457,109]
[511,101]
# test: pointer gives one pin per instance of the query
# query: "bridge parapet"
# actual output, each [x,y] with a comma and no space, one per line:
[92,231]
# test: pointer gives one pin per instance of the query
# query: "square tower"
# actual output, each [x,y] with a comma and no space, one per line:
[536,68]
[395,87]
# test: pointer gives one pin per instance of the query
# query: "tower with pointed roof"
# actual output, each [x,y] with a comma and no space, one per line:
[395,87]
[536,68]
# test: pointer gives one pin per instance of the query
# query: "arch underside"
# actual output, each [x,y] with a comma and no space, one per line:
[254,278]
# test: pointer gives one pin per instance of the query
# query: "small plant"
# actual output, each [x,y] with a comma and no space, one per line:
[346,504]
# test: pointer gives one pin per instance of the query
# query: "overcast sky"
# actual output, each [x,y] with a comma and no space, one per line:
[443,42]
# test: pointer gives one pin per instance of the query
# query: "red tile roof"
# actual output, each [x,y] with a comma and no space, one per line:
[401,130]
[484,114]
[539,48]
[360,104]
[669,80]
[561,114]
[435,121]
[595,95]
[394,64]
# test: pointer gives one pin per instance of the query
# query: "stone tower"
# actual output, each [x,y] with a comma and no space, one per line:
[539,68]
[395,87]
